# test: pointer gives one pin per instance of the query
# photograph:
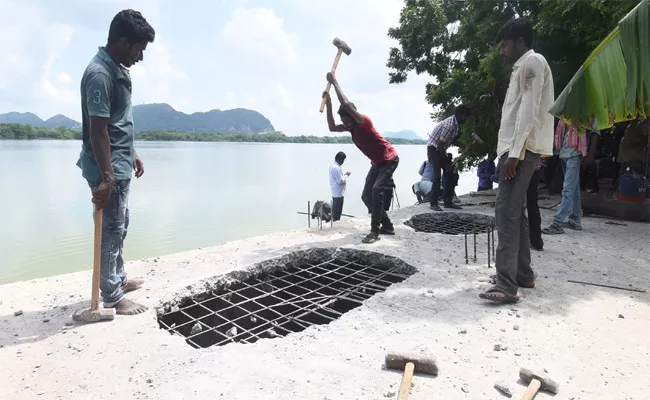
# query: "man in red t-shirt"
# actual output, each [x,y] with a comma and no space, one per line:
[382,155]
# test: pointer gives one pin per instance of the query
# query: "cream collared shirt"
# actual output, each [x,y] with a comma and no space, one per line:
[526,123]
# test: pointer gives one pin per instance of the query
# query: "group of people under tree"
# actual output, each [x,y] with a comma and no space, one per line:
[108,159]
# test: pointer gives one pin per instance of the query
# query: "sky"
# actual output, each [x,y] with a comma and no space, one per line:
[269,56]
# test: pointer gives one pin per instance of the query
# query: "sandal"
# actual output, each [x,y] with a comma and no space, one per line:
[499,295]
[371,238]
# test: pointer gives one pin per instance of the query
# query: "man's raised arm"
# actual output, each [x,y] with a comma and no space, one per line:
[333,127]
[344,100]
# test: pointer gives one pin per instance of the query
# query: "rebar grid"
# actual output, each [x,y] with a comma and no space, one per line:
[276,304]
[449,226]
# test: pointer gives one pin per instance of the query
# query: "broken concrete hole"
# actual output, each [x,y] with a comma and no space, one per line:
[451,223]
[281,296]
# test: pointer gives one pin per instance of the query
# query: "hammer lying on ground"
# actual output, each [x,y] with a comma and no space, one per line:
[537,381]
[410,363]
[342,48]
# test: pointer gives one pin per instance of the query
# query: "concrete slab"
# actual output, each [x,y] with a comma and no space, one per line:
[591,340]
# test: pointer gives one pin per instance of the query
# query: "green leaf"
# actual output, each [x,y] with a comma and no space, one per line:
[613,84]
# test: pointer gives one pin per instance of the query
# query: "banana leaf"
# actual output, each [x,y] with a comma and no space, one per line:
[613,84]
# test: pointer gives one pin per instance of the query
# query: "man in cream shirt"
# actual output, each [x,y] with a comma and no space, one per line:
[526,134]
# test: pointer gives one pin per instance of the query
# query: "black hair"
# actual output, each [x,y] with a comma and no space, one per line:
[343,111]
[517,28]
[340,156]
[130,24]
[463,110]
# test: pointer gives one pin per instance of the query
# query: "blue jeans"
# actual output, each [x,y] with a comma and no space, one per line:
[571,205]
[115,223]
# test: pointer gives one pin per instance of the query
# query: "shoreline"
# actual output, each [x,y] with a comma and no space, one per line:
[436,310]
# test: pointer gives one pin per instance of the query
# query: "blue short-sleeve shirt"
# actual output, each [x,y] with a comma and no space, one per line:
[106,92]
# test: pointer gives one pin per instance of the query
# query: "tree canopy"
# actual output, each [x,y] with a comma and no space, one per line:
[454,42]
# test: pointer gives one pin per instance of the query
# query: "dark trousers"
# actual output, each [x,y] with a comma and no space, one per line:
[337,208]
[439,163]
[534,217]
[513,249]
[377,179]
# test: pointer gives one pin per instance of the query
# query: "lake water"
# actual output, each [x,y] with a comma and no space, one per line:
[191,195]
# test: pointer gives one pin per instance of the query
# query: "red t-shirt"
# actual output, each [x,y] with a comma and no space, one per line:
[372,144]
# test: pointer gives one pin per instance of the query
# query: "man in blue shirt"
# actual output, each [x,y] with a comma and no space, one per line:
[337,184]
[486,169]
[423,188]
[107,158]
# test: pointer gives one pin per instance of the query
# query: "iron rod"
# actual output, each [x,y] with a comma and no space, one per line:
[474,230]
[266,294]
[466,255]
[488,247]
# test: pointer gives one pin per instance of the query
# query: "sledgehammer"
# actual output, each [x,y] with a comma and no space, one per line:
[95,313]
[410,364]
[537,381]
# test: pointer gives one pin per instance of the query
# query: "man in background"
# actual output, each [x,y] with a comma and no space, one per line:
[337,184]
[422,189]
[108,159]
[486,169]
[450,180]
[532,206]
[444,135]
[572,147]
[383,158]
[525,134]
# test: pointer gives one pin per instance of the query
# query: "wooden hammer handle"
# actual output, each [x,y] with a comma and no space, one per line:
[97,257]
[532,390]
[329,85]
[405,387]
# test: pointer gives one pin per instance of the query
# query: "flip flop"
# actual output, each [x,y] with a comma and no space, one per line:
[371,238]
[499,295]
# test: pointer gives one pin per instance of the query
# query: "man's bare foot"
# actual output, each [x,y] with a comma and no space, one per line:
[132,285]
[128,307]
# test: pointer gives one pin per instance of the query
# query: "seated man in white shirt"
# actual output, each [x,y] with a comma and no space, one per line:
[337,184]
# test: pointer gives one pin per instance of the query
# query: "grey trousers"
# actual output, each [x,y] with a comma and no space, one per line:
[513,250]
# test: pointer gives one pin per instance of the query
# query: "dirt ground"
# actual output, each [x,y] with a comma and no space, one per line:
[592,340]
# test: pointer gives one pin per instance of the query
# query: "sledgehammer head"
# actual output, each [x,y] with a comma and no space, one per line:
[342,45]
[423,364]
[88,315]
[548,384]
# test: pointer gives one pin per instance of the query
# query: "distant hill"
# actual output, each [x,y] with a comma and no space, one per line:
[156,117]
[151,117]
[21,118]
[405,134]
[59,121]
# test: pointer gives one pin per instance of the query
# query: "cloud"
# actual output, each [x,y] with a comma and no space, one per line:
[267,56]
[31,46]
[257,35]
[156,77]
